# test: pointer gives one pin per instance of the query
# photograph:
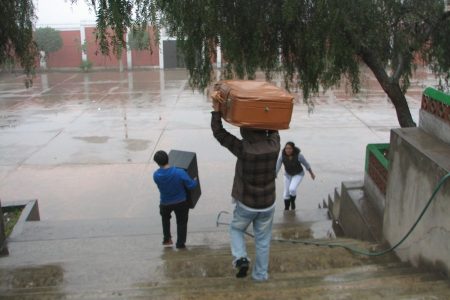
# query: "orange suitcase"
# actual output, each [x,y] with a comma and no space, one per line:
[254,104]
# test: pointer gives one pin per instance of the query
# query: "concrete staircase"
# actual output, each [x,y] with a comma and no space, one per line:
[123,259]
[399,181]
[354,215]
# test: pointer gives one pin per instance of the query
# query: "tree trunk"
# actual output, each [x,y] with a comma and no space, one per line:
[401,105]
[391,88]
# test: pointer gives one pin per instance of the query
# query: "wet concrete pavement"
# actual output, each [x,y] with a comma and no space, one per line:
[82,143]
[135,267]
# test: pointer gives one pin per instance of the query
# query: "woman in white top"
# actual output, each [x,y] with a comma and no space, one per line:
[293,163]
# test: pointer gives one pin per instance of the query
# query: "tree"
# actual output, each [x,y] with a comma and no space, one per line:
[16,34]
[48,40]
[314,43]
[138,39]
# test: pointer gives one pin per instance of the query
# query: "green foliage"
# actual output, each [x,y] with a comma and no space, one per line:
[138,39]
[114,17]
[439,55]
[313,43]
[10,217]
[16,34]
[86,65]
[317,40]
[48,40]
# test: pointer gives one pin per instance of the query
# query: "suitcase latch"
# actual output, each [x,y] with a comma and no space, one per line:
[266,109]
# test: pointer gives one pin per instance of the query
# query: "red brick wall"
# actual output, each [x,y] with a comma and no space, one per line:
[94,55]
[145,58]
[69,56]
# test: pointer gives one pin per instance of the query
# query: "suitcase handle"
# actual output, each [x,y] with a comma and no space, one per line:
[227,105]
[222,94]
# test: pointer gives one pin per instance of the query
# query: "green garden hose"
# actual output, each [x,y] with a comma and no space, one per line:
[356,250]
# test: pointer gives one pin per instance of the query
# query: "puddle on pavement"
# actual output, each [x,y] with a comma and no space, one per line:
[354,274]
[196,262]
[93,139]
[137,144]
[293,233]
[45,276]
[8,121]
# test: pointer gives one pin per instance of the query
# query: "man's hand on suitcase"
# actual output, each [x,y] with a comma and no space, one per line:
[215,96]
[216,104]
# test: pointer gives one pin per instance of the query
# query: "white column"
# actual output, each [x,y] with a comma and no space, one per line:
[42,62]
[280,57]
[162,34]
[86,86]
[82,40]
[162,82]
[130,82]
[44,82]
[219,57]
[129,56]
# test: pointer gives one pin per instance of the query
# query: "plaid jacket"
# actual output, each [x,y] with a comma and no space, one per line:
[254,178]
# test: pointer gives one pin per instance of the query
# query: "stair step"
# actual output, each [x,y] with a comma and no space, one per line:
[295,285]
[78,229]
[367,282]
[136,263]
[357,216]
[75,229]
[124,259]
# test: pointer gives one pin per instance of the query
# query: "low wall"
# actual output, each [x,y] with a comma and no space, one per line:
[417,161]
[435,114]
[376,175]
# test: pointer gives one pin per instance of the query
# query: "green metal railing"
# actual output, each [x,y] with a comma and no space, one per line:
[436,103]
[379,151]
[437,95]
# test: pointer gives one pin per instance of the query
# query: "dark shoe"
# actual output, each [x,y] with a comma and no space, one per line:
[167,243]
[242,264]
[287,202]
[181,246]
[293,202]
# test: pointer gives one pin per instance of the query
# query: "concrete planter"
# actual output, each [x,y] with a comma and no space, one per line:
[30,212]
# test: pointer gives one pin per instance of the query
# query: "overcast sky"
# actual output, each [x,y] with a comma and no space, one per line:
[62,12]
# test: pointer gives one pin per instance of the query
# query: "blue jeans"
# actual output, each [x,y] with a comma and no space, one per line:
[262,228]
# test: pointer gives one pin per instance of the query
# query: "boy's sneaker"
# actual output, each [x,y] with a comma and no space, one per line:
[167,243]
[181,246]
[242,264]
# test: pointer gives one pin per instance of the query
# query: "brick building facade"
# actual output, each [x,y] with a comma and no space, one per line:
[71,53]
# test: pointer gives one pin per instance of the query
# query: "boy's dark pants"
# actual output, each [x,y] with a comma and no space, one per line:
[181,213]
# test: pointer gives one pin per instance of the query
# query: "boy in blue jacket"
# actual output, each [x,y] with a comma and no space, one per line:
[172,183]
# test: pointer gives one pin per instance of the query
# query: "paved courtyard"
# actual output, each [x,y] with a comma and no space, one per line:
[82,143]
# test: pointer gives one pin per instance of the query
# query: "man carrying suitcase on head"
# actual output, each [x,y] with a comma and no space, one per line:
[253,191]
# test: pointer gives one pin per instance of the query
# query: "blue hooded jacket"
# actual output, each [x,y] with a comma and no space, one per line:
[171,183]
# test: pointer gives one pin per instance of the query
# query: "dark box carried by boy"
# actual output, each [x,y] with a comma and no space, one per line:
[187,161]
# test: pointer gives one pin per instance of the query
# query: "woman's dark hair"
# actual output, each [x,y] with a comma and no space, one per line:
[161,158]
[296,149]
